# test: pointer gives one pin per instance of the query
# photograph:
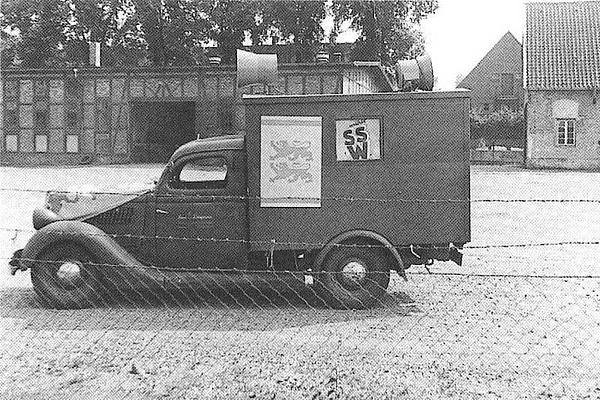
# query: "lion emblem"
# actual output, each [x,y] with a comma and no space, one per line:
[293,151]
[291,173]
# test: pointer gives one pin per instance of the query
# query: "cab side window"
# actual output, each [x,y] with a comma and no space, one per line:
[201,173]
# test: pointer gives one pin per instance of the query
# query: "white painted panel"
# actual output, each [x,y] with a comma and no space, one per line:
[290,173]
[358,139]
[41,143]
[72,144]
[565,109]
[12,143]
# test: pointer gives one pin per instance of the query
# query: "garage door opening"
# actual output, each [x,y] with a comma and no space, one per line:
[159,128]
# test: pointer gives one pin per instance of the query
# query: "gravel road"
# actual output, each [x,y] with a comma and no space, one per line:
[532,334]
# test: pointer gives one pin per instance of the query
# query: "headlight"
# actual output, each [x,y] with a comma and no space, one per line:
[54,200]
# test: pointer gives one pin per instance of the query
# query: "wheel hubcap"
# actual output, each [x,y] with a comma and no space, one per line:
[354,272]
[69,272]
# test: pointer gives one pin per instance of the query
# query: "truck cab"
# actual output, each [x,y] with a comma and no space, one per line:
[201,207]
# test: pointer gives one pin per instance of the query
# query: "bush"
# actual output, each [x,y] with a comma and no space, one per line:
[503,127]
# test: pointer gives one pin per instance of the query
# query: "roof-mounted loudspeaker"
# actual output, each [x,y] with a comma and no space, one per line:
[253,68]
[415,74]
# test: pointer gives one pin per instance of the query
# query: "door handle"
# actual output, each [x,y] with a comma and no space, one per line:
[159,211]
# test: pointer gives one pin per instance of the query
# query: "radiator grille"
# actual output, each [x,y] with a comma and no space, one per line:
[118,216]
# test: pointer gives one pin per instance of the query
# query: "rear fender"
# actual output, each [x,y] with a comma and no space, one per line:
[392,253]
[101,245]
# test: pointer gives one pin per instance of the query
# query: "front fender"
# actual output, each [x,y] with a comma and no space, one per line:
[393,253]
[101,245]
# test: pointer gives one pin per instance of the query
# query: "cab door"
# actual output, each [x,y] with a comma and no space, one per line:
[200,213]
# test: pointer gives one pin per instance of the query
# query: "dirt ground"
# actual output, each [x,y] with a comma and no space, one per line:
[512,323]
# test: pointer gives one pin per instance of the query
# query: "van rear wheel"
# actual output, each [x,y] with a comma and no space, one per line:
[354,276]
[65,277]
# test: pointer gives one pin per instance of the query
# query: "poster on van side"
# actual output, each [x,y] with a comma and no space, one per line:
[290,166]
[358,139]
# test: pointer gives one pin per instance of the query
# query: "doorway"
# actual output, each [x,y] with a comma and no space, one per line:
[159,128]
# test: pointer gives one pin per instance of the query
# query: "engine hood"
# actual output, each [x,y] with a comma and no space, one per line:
[86,202]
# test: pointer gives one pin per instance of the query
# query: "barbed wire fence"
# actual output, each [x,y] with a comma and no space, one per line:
[480,331]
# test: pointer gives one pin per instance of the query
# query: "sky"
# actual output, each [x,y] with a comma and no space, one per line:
[461,32]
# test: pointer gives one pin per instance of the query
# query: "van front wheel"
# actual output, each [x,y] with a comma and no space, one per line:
[65,277]
[354,276]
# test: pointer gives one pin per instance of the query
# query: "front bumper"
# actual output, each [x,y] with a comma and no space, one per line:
[16,263]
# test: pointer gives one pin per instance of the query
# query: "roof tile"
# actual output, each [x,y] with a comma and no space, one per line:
[562,45]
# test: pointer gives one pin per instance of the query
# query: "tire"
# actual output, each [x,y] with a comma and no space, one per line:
[354,277]
[65,277]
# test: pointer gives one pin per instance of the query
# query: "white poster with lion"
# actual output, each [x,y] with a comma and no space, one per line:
[290,167]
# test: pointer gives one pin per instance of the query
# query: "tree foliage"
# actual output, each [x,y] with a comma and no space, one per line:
[171,30]
[46,33]
[8,49]
[387,29]
[503,126]
[298,22]
[229,22]
[42,24]
[106,21]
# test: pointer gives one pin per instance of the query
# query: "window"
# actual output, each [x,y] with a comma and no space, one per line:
[41,143]
[40,88]
[12,118]
[72,119]
[201,173]
[11,89]
[507,85]
[74,88]
[72,144]
[40,119]
[12,143]
[566,132]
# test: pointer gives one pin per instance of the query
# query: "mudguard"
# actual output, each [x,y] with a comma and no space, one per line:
[392,251]
[96,241]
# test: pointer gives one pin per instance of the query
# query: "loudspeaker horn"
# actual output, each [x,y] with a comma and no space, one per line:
[415,74]
[256,68]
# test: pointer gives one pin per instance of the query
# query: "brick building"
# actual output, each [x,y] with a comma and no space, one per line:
[117,116]
[497,80]
[562,58]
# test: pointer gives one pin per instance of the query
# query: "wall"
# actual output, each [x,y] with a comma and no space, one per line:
[542,148]
[496,156]
[84,115]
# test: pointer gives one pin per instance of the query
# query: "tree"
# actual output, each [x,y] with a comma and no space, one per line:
[175,32]
[504,126]
[41,25]
[8,49]
[108,22]
[171,29]
[126,46]
[229,22]
[298,23]
[292,22]
[388,30]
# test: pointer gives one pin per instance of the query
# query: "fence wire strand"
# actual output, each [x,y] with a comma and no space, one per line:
[213,197]
[483,330]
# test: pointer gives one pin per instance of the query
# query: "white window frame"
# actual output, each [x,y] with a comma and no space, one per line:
[565,124]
